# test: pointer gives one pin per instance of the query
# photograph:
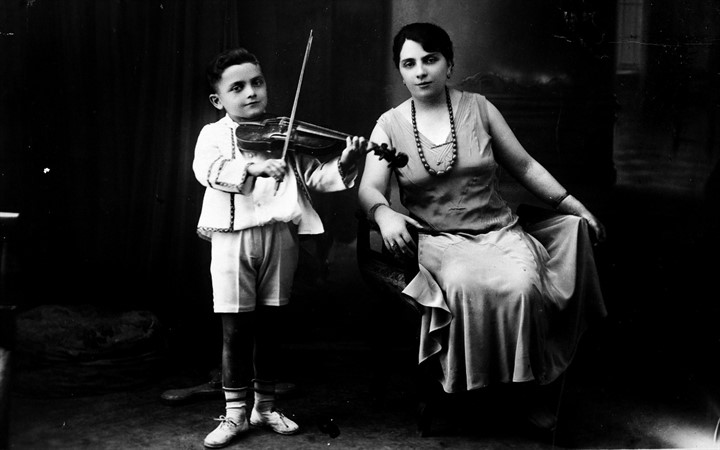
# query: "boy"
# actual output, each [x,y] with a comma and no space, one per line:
[254,207]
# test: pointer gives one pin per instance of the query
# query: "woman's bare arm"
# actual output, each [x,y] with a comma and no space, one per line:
[511,155]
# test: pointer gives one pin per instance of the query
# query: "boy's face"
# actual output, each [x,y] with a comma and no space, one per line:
[241,92]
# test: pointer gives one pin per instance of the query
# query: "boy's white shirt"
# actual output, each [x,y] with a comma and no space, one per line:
[235,200]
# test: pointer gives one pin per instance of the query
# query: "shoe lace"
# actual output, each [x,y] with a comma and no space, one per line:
[226,421]
[280,414]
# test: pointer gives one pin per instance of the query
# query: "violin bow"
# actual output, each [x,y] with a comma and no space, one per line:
[295,103]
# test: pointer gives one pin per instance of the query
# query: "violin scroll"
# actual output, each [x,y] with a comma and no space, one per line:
[394,158]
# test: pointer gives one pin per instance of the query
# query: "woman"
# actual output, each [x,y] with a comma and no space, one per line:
[501,305]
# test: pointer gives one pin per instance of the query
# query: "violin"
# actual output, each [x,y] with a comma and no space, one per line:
[269,135]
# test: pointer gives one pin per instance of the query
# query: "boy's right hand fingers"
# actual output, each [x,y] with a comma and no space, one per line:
[276,168]
[276,173]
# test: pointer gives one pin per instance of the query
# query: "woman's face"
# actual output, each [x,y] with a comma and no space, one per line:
[423,73]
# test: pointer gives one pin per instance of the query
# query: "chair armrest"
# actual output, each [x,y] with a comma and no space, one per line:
[532,214]
[365,251]
[379,268]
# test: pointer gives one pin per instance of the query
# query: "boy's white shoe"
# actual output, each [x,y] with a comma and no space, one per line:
[225,432]
[273,419]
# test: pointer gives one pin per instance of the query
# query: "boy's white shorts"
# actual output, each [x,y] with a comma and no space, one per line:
[255,266]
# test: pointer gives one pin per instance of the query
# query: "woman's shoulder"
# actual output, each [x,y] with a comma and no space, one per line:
[474,104]
[395,113]
[398,109]
[471,97]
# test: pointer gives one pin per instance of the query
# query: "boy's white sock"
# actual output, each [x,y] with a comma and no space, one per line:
[264,395]
[235,404]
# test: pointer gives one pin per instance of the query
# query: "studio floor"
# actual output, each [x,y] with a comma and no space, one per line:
[644,378]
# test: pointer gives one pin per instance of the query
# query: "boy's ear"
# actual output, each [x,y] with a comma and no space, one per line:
[215,100]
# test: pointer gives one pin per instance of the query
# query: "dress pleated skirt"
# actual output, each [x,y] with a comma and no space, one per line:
[506,306]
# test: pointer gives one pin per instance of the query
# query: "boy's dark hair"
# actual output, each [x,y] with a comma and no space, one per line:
[223,60]
[431,37]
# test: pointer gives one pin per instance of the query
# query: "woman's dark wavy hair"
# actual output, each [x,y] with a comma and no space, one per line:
[223,60]
[431,37]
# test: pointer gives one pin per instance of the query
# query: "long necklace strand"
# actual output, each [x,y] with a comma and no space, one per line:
[430,170]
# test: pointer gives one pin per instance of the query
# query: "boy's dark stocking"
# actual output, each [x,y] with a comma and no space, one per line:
[268,335]
[267,345]
[267,349]
[236,372]
[236,361]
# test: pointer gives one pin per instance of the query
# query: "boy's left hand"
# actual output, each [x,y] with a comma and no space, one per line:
[355,148]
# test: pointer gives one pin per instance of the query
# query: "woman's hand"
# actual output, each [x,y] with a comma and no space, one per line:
[597,228]
[394,230]
[269,168]
[571,205]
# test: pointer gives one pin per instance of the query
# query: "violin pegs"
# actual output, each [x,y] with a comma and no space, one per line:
[400,160]
[395,159]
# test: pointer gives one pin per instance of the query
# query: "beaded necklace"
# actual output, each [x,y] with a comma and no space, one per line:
[430,170]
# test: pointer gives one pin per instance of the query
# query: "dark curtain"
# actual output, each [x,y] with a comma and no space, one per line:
[102,102]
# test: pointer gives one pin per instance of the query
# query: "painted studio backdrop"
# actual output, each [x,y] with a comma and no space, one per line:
[102,102]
